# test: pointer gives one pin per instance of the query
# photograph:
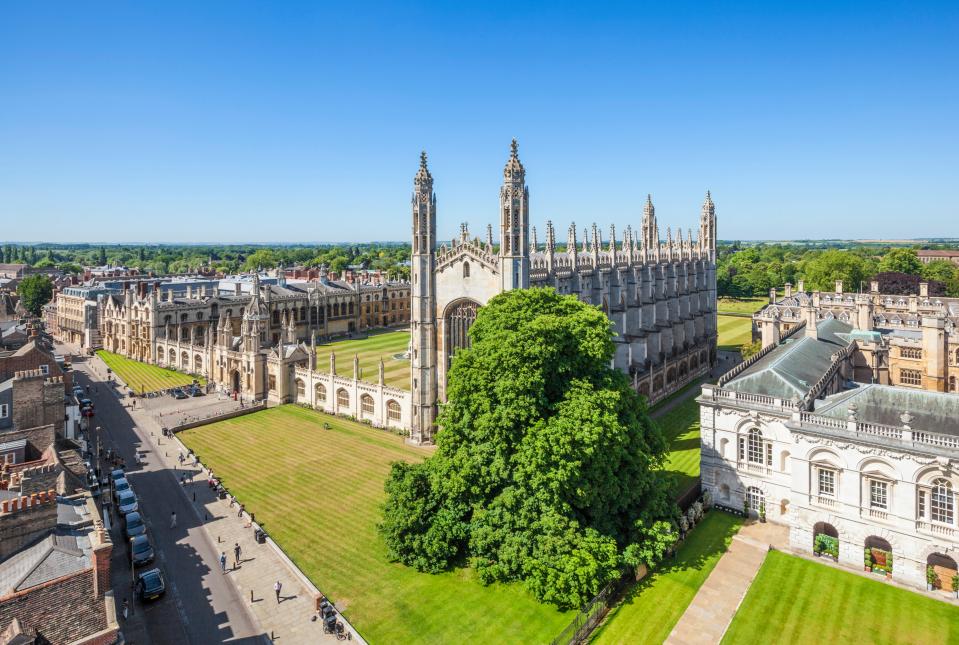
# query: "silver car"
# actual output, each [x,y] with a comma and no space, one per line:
[127,502]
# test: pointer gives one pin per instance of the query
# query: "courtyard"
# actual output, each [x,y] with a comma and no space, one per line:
[142,377]
[318,492]
[794,600]
[388,345]
[734,331]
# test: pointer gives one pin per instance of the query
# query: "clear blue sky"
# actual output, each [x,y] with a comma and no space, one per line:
[296,122]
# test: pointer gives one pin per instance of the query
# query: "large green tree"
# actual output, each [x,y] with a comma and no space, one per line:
[35,291]
[547,469]
[822,270]
[901,261]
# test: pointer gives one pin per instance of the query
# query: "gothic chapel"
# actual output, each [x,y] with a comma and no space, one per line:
[659,295]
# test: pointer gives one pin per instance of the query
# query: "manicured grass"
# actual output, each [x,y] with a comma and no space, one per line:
[319,494]
[381,345]
[734,331]
[681,428]
[653,606]
[793,600]
[142,377]
[741,305]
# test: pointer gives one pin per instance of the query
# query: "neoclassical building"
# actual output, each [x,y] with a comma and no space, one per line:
[659,295]
[805,433]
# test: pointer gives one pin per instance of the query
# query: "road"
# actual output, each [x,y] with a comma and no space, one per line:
[201,605]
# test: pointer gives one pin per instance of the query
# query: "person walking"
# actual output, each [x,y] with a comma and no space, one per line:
[239,512]
[236,555]
[223,561]
[172,519]
[277,588]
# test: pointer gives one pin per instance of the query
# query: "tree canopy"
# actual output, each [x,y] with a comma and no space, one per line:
[35,291]
[546,462]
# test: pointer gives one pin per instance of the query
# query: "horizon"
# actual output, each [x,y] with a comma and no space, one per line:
[229,122]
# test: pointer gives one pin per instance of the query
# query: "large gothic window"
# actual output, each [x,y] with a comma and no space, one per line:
[459,318]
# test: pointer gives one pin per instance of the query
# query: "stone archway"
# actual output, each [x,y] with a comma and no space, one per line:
[825,539]
[235,380]
[877,554]
[944,567]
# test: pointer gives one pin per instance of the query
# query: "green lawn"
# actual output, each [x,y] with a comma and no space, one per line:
[383,345]
[741,305]
[734,331]
[319,494]
[653,606]
[681,428]
[793,600]
[141,377]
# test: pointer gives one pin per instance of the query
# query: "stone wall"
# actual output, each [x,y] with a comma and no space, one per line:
[37,401]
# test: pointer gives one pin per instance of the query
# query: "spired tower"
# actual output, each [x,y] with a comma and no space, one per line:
[707,228]
[514,224]
[423,322]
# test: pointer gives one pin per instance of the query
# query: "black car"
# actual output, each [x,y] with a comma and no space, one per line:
[196,391]
[141,551]
[150,585]
[180,394]
[133,525]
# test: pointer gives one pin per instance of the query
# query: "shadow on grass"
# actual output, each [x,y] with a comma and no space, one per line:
[707,542]
[689,443]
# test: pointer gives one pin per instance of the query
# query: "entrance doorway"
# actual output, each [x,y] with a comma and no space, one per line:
[235,378]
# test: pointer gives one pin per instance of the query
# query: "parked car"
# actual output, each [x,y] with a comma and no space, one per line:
[78,391]
[150,585]
[196,391]
[133,525]
[180,394]
[86,403]
[87,412]
[117,473]
[127,502]
[121,485]
[141,550]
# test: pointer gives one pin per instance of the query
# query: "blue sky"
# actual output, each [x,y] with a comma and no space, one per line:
[299,122]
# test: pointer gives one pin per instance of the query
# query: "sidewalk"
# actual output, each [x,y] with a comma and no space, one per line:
[709,614]
[293,619]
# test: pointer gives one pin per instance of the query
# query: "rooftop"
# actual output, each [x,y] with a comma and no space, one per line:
[885,405]
[791,369]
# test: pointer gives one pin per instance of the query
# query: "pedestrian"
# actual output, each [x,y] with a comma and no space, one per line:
[277,588]
[172,519]
[236,555]
[239,513]
[134,404]
[223,561]
[183,480]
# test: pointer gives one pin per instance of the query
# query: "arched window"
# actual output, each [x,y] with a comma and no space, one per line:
[160,356]
[366,405]
[724,492]
[342,399]
[942,504]
[952,384]
[466,269]
[300,389]
[197,364]
[320,392]
[393,411]
[185,361]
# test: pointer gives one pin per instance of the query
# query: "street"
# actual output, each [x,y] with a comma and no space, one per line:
[200,605]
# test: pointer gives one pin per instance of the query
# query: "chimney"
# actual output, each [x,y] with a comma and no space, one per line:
[801,286]
[811,322]
[772,295]
[101,560]
[923,289]
[934,352]
[874,286]
[789,289]
[839,287]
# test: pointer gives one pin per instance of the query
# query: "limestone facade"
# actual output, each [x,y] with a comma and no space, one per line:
[876,466]
[906,340]
[659,295]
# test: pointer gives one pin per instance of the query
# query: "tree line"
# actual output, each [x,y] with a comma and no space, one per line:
[164,259]
[749,271]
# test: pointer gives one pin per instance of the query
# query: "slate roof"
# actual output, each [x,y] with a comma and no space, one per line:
[60,553]
[790,370]
[883,404]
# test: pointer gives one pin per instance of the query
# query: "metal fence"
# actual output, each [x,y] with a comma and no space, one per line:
[590,615]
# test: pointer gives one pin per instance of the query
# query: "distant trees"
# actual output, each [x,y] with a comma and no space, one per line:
[901,261]
[896,283]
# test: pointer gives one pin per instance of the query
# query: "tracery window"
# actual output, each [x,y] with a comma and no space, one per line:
[910,377]
[910,352]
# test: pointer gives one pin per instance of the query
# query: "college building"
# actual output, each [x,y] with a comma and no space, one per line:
[845,428]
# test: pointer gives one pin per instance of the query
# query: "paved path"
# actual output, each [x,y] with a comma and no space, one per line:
[712,609]
[199,607]
[292,619]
